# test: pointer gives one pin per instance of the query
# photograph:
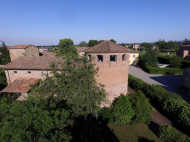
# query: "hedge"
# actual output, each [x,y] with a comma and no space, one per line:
[171,104]
[166,60]
[170,134]
[166,70]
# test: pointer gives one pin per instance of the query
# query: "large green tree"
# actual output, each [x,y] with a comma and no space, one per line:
[150,58]
[83,44]
[34,121]
[171,45]
[4,54]
[186,41]
[92,43]
[146,45]
[66,48]
[161,44]
[73,81]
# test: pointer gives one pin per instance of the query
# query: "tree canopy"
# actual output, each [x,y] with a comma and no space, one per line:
[66,48]
[113,40]
[73,81]
[186,41]
[92,43]
[33,121]
[4,54]
[83,44]
[146,45]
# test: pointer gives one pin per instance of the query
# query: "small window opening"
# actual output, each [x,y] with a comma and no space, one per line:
[113,58]
[100,58]
[123,57]
[43,72]
[29,72]
[133,56]
[15,71]
[89,57]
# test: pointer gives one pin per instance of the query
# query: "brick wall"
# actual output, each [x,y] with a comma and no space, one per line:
[114,75]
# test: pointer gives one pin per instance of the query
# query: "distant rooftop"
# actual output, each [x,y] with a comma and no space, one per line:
[41,62]
[19,46]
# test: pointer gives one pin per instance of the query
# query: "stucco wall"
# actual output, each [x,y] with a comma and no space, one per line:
[15,53]
[114,75]
[11,76]
[32,51]
[131,58]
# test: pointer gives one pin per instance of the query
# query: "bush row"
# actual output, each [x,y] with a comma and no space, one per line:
[166,60]
[166,70]
[170,134]
[171,104]
[132,109]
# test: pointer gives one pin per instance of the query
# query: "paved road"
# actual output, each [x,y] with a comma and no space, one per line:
[169,82]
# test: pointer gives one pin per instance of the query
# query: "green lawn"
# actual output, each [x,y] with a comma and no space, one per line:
[134,133]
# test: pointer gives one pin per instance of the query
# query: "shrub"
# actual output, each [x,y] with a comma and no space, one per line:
[175,62]
[163,60]
[166,60]
[178,109]
[141,107]
[171,104]
[122,110]
[185,64]
[166,70]
[106,115]
[169,134]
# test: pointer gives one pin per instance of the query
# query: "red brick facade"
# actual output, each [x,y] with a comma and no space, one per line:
[114,75]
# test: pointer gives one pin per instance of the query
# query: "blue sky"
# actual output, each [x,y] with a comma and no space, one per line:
[45,22]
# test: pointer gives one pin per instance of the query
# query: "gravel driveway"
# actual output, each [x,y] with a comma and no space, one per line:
[169,82]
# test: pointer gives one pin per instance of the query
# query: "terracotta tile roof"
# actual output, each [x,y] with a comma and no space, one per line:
[20,85]
[41,62]
[82,49]
[18,47]
[107,47]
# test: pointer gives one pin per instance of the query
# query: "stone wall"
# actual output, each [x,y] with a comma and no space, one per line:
[32,51]
[15,53]
[114,75]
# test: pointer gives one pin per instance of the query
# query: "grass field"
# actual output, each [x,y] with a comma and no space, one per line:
[134,133]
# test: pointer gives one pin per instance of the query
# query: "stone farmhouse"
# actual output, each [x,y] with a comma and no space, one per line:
[184,51]
[23,50]
[112,60]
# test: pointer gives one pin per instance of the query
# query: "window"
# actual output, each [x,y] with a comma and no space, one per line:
[133,56]
[29,72]
[89,57]
[113,58]
[44,72]
[15,71]
[129,56]
[123,57]
[100,58]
